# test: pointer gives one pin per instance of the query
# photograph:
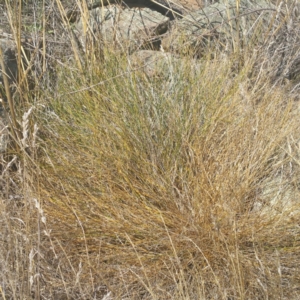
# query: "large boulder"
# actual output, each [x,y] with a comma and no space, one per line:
[123,28]
[167,8]
[222,22]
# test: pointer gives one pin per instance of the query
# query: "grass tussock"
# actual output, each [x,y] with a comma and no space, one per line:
[163,189]
[182,186]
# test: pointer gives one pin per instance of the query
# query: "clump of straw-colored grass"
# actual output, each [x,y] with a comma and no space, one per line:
[153,186]
[182,186]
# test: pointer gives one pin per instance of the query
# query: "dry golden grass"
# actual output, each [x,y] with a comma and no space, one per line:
[138,188]
[154,186]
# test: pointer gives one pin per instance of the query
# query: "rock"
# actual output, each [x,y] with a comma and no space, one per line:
[127,29]
[9,52]
[10,61]
[160,64]
[220,22]
[11,70]
[153,63]
[192,5]
[4,134]
[279,197]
